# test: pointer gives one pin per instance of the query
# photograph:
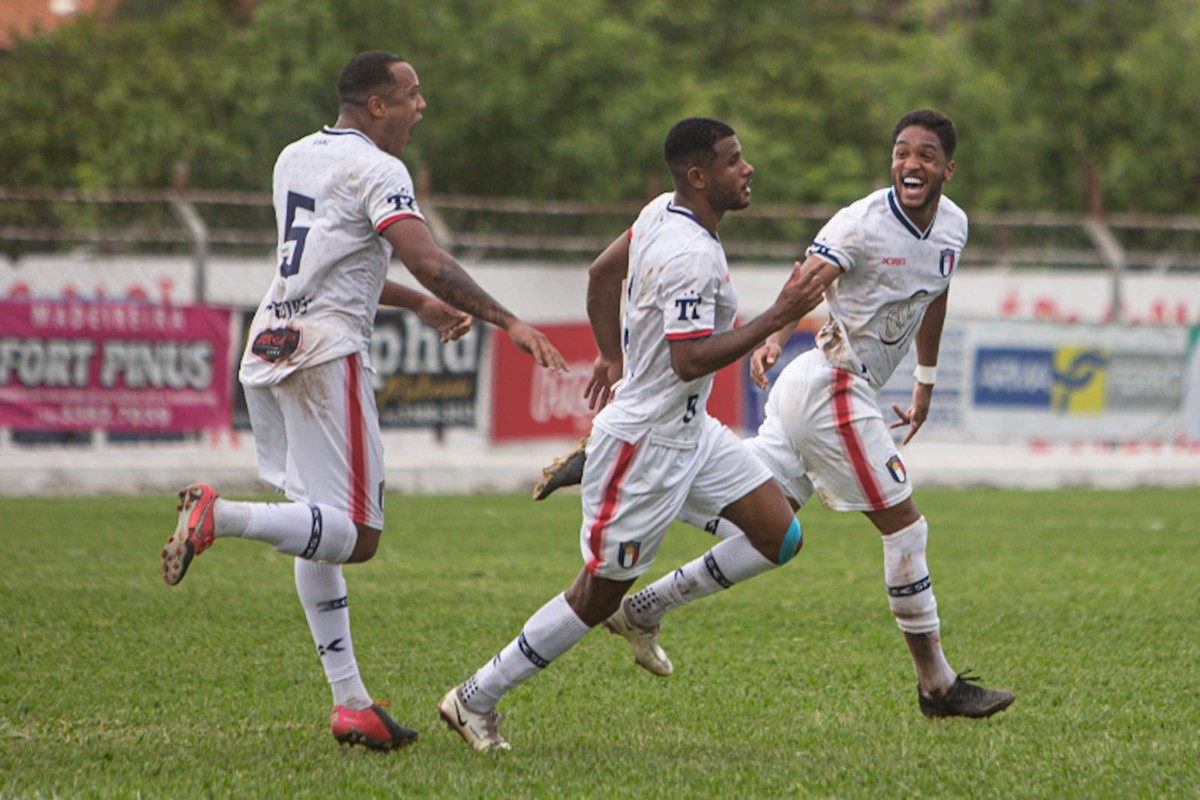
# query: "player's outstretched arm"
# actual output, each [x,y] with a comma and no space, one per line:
[606,275]
[438,272]
[928,341]
[802,293]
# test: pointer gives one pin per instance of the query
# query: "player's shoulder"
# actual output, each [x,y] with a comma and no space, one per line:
[866,207]
[952,210]
[665,223]
[330,146]
[654,211]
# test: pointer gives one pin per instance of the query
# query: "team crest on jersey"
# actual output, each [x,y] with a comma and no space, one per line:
[946,265]
[627,553]
[896,467]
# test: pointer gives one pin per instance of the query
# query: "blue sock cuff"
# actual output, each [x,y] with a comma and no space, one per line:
[791,542]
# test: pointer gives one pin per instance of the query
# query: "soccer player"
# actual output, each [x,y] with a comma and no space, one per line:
[655,445]
[344,202]
[885,263]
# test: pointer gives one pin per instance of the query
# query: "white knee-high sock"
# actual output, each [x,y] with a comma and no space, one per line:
[322,591]
[318,532]
[910,595]
[551,631]
[730,561]
[717,526]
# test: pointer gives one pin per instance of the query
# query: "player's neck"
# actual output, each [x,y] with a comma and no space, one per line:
[921,218]
[704,214]
[354,122]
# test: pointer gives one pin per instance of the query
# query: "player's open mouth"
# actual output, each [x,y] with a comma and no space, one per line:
[911,187]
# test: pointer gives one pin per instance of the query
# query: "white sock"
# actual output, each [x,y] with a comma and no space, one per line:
[317,532]
[717,526]
[910,595]
[230,518]
[551,631]
[322,591]
[730,561]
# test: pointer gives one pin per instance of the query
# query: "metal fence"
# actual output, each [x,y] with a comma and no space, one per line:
[205,223]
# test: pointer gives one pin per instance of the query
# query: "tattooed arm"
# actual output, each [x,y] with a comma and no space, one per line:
[438,272]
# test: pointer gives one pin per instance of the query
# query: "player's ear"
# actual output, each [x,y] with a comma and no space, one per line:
[697,178]
[949,172]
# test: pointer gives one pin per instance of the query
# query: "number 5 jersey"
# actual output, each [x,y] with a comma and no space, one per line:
[334,193]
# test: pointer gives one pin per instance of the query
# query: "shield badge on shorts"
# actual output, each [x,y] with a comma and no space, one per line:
[627,553]
[896,467]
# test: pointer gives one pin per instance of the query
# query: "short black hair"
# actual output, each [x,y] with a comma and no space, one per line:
[366,74]
[935,121]
[691,141]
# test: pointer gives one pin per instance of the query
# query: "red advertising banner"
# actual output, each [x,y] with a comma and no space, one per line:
[529,402]
[71,366]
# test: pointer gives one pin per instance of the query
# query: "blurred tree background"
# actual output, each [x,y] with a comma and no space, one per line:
[1075,105]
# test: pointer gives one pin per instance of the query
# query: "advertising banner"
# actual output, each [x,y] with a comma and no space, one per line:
[1009,381]
[1191,402]
[529,402]
[419,382]
[1062,382]
[125,367]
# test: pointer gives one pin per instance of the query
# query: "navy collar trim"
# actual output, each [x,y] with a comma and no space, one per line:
[346,132]
[905,221]
[674,209]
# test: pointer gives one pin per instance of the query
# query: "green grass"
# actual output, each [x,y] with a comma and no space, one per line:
[1086,604]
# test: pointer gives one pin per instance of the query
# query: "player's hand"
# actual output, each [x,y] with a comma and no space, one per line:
[605,373]
[916,414]
[802,292]
[538,345]
[446,319]
[762,360]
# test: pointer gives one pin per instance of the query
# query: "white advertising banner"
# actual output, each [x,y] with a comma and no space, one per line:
[1006,381]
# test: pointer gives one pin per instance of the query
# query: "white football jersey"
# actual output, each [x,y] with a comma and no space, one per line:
[891,272]
[678,287]
[334,192]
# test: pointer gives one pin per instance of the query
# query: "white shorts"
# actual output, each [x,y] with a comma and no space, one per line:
[317,436]
[632,492]
[772,446]
[830,419]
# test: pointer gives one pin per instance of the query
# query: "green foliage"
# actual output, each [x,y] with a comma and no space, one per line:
[799,685]
[1060,105]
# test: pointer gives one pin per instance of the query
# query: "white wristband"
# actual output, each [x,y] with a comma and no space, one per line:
[926,375]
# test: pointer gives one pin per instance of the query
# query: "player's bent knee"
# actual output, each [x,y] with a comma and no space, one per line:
[793,540]
[365,546]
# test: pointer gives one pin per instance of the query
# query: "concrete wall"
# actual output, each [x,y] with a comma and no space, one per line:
[465,461]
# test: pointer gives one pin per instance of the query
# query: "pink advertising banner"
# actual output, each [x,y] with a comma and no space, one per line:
[129,367]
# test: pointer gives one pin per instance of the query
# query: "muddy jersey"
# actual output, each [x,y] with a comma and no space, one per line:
[891,272]
[678,287]
[334,193]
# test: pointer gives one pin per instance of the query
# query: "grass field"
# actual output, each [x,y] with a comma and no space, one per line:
[1086,604]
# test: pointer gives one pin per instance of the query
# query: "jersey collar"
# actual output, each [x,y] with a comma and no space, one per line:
[346,132]
[898,212]
[674,209]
